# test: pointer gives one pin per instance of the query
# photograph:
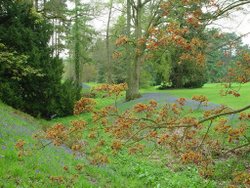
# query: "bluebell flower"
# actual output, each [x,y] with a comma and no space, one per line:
[4,147]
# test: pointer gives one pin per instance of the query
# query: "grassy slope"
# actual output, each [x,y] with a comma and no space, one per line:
[212,92]
[34,170]
[123,171]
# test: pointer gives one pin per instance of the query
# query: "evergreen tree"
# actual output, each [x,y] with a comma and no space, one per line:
[26,32]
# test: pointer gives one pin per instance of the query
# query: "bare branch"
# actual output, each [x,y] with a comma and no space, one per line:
[231,7]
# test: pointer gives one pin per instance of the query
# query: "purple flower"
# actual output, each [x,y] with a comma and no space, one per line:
[4,147]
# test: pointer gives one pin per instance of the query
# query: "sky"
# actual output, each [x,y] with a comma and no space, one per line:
[238,22]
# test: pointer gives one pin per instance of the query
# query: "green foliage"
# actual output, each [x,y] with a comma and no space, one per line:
[38,166]
[90,72]
[188,75]
[30,76]
[79,40]
[9,95]
[221,54]
[145,79]
[118,65]
[69,93]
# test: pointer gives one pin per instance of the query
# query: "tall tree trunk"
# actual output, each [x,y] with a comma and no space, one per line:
[58,38]
[77,45]
[129,75]
[36,4]
[109,64]
[134,70]
[53,38]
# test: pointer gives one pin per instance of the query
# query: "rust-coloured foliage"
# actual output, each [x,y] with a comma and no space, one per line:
[112,89]
[242,177]
[201,99]
[84,105]
[170,127]
[20,144]
[20,148]
[121,40]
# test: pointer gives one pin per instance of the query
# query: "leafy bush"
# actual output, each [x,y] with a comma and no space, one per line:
[188,75]
[69,94]
[8,94]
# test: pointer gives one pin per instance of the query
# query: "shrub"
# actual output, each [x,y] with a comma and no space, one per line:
[69,94]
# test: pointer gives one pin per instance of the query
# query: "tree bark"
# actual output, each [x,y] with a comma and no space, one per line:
[109,64]
[77,45]
[36,4]
[134,70]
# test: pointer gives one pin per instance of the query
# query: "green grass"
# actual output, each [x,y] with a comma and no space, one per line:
[35,169]
[123,170]
[212,91]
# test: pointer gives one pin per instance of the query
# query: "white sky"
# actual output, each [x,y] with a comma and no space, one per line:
[238,22]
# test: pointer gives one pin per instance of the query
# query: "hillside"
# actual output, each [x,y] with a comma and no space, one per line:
[40,166]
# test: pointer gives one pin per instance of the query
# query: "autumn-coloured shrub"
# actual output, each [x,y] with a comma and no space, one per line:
[84,105]
[197,140]
[170,127]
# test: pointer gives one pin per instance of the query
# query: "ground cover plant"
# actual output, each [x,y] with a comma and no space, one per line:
[146,159]
[57,166]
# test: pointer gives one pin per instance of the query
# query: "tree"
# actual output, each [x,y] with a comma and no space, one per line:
[222,53]
[109,78]
[26,32]
[163,14]
[79,40]
[56,12]
[117,65]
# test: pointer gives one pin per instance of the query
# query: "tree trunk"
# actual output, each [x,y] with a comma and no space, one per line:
[109,64]
[134,70]
[77,45]
[53,38]
[36,4]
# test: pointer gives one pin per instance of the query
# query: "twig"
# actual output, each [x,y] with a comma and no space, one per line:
[204,137]
[238,147]
[224,114]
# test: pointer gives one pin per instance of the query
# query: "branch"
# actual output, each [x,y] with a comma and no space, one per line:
[132,3]
[145,2]
[204,137]
[230,7]
[238,147]
[51,142]
[224,114]
[226,43]
[178,125]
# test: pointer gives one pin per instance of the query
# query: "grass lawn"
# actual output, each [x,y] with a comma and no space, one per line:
[212,91]
[35,169]
[124,170]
